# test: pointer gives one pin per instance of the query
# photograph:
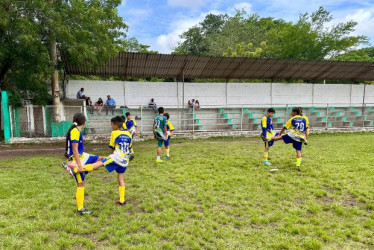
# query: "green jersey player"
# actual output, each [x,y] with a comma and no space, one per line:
[160,132]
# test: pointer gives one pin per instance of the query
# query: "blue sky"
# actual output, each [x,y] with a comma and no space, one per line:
[159,23]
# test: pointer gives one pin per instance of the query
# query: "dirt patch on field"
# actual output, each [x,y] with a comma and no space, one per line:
[22,150]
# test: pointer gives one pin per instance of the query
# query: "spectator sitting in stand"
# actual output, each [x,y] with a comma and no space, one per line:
[197,104]
[89,105]
[191,103]
[152,104]
[80,94]
[110,104]
[99,105]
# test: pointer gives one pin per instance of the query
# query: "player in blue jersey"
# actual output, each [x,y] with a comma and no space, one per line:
[296,127]
[267,133]
[75,154]
[130,124]
[121,144]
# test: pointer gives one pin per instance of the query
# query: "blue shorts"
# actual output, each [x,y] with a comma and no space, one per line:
[110,165]
[296,144]
[80,177]
[167,142]
[269,144]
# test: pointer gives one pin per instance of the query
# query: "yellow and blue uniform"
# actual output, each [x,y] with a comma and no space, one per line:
[121,143]
[170,128]
[296,128]
[75,136]
[267,130]
[130,125]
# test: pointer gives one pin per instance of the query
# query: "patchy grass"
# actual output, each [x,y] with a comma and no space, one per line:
[211,194]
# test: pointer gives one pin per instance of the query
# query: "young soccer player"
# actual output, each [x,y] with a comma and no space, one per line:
[130,124]
[160,132]
[121,144]
[75,154]
[307,125]
[267,133]
[170,132]
[296,128]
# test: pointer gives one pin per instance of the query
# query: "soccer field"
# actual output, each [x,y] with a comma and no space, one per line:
[213,193]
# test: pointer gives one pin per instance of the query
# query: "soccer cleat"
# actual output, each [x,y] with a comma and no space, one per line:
[159,161]
[68,169]
[167,157]
[120,203]
[267,163]
[84,211]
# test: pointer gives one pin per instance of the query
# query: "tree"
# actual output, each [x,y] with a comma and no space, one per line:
[311,37]
[361,55]
[195,39]
[35,35]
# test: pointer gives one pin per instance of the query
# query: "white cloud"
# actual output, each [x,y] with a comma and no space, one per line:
[365,21]
[247,7]
[186,3]
[165,43]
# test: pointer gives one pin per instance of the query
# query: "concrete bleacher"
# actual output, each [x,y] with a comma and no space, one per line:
[235,119]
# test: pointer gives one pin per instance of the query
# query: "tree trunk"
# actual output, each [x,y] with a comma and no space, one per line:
[54,78]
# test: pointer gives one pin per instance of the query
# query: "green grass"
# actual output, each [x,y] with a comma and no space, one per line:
[213,194]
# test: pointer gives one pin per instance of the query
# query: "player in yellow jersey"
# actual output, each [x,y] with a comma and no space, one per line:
[170,132]
[267,133]
[75,154]
[121,144]
[296,128]
[130,124]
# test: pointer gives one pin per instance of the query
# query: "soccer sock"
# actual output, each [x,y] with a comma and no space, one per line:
[266,155]
[298,162]
[158,157]
[121,190]
[88,167]
[80,197]
[167,151]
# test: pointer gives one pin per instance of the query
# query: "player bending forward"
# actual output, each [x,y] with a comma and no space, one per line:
[297,127]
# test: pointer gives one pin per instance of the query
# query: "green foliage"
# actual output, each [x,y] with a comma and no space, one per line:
[245,51]
[311,37]
[86,31]
[212,194]
[361,55]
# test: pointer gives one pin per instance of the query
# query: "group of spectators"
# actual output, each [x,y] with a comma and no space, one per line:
[109,105]
[194,104]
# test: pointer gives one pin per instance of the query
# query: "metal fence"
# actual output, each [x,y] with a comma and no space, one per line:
[50,121]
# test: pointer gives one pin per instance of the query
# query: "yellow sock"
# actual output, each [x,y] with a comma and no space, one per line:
[88,167]
[121,190]
[266,155]
[298,162]
[167,151]
[80,197]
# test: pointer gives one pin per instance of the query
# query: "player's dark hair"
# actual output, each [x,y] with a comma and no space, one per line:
[127,114]
[117,121]
[296,110]
[301,110]
[78,120]
[271,110]
[161,110]
[167,115]
[124,118]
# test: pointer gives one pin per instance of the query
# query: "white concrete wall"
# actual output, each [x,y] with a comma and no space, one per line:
[96,89]
[222,94]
